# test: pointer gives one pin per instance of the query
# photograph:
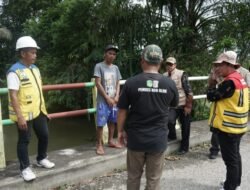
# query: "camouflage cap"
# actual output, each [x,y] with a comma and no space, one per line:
[152,54]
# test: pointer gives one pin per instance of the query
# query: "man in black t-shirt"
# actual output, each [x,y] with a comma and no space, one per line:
[144,103]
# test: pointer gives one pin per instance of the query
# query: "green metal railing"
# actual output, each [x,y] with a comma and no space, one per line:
[5,122]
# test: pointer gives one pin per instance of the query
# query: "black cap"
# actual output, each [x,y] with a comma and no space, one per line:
[113,47]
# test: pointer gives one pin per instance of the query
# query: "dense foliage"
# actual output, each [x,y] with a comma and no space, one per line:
[73,33]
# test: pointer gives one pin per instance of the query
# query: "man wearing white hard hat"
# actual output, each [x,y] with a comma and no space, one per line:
[27,107]
[229,114]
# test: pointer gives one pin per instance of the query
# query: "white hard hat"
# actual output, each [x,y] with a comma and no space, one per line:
[26,42]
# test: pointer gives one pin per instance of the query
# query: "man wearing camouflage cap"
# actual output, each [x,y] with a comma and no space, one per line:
[144,103]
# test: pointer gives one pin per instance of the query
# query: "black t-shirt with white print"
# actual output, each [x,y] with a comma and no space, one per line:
[148,97]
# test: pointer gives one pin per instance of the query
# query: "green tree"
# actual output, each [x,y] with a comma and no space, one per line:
[13,15]
[232,29]
[73,33]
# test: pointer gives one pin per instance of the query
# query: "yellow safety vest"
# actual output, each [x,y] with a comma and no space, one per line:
[230,115]
[30,95]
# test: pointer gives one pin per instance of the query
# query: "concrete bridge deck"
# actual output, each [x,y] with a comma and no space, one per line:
[81,163]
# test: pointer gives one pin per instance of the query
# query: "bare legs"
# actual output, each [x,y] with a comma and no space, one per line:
[99,143]
[99,135]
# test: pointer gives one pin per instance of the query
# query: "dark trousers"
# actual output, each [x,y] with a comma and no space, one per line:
[230,151]
[40,127]
[215,145]
[185,121]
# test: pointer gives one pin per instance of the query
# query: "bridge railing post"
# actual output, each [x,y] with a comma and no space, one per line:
[2,151]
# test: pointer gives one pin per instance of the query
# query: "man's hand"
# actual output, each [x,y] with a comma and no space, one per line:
[22,124]
[187,110]
[110,101]
[116,99]
[211,82]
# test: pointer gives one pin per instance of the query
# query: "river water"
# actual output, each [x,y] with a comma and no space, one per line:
[63,133]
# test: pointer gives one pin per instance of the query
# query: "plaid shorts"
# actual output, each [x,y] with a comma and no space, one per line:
[105,114]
